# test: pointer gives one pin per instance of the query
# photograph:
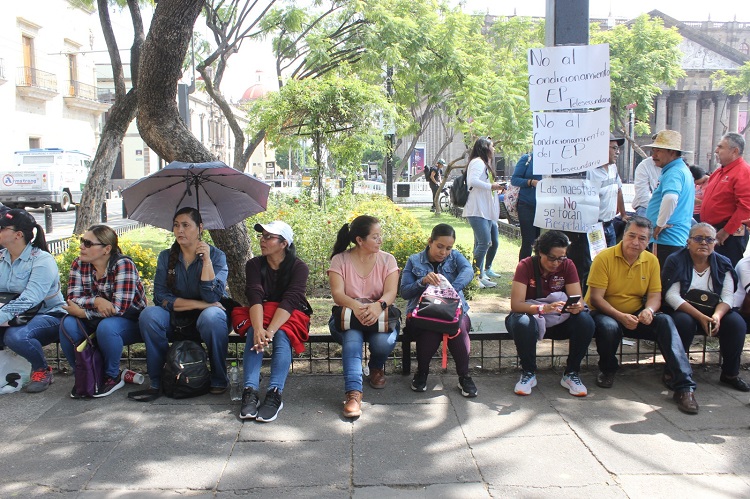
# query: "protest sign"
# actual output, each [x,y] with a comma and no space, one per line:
[566,143]
[566,204]
[572,77]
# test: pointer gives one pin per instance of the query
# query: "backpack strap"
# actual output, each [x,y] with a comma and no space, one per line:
[537,276]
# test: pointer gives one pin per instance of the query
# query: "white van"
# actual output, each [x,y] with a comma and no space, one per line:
[44,176]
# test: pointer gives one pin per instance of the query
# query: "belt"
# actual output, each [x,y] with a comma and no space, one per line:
[606,224]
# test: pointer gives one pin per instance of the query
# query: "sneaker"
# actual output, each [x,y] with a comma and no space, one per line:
[419,383]
[74,393]
[525,384]
[573,383]
[40,380]
[111,385]
[491,273]
[270,407]
[467,386]
[486,283]
[605,380]
[249,408]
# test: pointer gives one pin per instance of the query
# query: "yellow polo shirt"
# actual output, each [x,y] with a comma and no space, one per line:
[625,285]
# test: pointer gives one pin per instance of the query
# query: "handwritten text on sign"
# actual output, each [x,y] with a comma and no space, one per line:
[566,204]
[569,77]
[567,143]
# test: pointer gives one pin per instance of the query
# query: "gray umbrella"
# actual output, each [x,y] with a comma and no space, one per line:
[223,196]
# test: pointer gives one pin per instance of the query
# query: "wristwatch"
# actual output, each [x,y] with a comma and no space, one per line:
[383,304]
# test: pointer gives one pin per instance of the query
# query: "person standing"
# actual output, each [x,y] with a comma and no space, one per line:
[607,180]
[670,209]
[524,178]
[482,209]
[434,177]
[700,178]
[726,198]
[645,183]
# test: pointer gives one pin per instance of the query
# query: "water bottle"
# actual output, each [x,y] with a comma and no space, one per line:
[235,388]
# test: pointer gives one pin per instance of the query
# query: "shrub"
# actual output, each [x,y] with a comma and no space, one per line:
[144,259]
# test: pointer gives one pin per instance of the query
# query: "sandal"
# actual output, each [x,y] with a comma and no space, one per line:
[145,395]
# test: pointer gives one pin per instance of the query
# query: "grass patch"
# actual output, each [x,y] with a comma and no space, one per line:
[150,237]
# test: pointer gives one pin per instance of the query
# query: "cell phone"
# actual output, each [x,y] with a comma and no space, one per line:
[710,328]
[572,300]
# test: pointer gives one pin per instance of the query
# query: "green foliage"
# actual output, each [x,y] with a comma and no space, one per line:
[144,259]
[734,84]
[315,229]
[643,55]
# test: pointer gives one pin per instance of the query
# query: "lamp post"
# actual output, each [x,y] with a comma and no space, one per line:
[390,138]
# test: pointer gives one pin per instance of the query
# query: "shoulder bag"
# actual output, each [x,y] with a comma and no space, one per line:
[704,301]
[89,372]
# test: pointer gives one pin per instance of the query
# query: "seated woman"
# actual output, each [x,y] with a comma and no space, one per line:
[537,278]
[421,270]
[105,292]
[279,314]
[27,269]
[190,277]
[365,280]
[699,267]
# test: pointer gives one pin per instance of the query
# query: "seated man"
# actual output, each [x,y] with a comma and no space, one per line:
[621,279]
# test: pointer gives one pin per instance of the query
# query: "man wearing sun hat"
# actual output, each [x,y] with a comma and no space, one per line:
[670,209]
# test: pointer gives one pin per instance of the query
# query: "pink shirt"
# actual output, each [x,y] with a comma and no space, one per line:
[370,286]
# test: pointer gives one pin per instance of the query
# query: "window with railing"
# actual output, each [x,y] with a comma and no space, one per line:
[32,77]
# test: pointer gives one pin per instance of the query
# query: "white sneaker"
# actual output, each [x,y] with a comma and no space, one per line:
[486,283]
[573,383]
[525,384]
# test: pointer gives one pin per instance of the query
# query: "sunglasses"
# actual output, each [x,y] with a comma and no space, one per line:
[268,237]
[554,259]
[703,239]
[86,243]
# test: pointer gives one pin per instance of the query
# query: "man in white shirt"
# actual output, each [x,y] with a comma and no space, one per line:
[645,183]
[607,180]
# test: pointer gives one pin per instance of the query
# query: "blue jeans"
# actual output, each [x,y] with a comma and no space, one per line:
[529,232]
[27,341]
[214,331]
[609,335]
[281,359]
[640,212]
[578,328]
[485,242]
[731,337]
[609,234]
[352,342]
[111,335]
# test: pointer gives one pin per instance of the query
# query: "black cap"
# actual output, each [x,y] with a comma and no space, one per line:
[20,219]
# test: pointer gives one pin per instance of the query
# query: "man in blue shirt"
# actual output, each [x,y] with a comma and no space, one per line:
[670,209]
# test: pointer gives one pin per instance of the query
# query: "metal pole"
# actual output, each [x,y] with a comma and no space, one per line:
[124,209]
[391,137]
[48,219]
[104,212]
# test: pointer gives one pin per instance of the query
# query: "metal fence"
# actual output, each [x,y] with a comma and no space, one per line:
[60,246]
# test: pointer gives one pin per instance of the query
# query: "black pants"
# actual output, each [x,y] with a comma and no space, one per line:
[434,189]
[733,248]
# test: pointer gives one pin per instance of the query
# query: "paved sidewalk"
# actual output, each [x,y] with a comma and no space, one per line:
[629,441]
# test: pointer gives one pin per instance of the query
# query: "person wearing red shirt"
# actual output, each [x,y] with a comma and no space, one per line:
[726,198]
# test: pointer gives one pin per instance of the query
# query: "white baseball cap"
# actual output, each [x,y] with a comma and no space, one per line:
[278,228]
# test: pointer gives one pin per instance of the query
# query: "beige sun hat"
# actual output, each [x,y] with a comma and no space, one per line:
[667,139]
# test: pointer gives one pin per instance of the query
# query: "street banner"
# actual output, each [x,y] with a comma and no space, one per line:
[571,142]
[569,77]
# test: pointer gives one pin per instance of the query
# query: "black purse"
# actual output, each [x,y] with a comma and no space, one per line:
[185,325]
[704,301]
[24,317]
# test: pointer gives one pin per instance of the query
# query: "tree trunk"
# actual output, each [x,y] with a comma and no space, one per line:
[159,121]
[121,114]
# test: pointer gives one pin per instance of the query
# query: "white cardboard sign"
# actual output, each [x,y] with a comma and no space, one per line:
[566,204]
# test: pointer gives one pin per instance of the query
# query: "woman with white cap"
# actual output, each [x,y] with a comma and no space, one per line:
[278,314]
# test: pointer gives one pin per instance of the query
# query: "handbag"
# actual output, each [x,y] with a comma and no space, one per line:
[22,318]
[704,301]
[14,371]
[185,325]
[185,373]
[387,321]
[89,372]
[510,200]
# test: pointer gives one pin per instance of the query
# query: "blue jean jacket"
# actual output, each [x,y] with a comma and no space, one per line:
[456,268]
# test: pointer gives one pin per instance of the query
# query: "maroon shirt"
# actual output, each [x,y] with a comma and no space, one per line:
[556,281]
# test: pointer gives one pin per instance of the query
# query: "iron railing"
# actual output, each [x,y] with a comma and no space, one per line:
[82,90]
[32,77]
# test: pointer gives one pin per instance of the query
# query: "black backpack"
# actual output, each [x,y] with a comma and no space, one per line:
[185,373]
[459,190]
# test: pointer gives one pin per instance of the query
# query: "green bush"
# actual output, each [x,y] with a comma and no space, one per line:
[315,228]
[144,258]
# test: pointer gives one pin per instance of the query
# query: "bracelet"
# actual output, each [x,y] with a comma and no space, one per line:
[650,310]
[540,308]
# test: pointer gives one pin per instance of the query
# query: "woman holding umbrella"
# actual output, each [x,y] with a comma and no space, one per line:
[190,280]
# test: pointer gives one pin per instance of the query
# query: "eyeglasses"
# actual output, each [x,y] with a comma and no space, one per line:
[11,228]
[703,239]
[268,237]
[554,259]
[86,243]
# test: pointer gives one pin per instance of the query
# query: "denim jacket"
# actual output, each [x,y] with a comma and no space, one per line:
[34,274]
[188,283]
[456,268]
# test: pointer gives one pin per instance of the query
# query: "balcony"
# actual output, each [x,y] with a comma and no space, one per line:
[32,83]
[3,79]
[84,97]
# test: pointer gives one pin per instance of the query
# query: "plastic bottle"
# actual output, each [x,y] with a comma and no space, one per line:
[235,388]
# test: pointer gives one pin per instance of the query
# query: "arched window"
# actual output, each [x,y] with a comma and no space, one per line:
[745,48]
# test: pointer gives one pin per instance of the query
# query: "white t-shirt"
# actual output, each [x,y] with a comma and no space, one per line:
[607,180]
[743,273]
[646,181]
